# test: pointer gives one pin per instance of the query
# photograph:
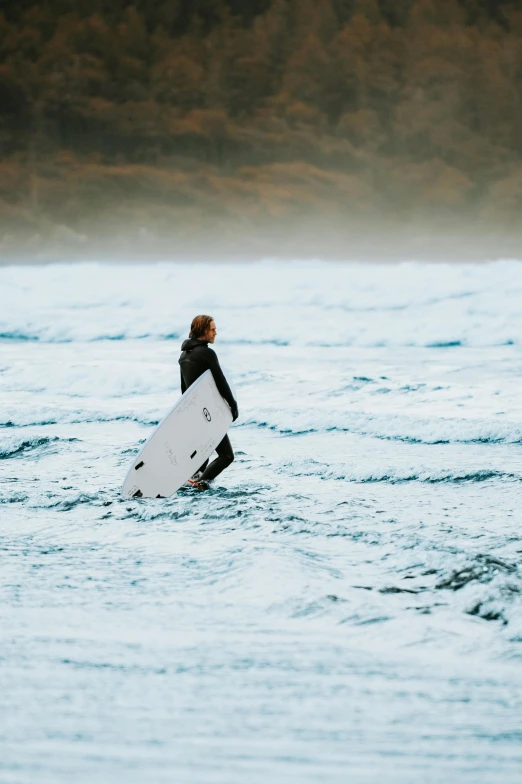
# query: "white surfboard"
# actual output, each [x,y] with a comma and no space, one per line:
[181,442]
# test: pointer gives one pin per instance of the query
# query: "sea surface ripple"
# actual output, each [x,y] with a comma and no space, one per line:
[344,605]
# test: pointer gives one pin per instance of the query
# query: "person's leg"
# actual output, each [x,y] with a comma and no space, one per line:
[222,461]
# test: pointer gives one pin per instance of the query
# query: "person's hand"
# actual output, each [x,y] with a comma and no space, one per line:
[235,412]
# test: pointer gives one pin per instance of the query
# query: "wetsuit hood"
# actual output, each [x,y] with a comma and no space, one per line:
[192,343]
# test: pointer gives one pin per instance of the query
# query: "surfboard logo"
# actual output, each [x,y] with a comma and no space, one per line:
[206,414]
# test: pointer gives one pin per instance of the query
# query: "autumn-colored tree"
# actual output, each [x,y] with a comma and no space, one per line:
[419,99]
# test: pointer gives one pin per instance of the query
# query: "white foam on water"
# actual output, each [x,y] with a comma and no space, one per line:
[348,593]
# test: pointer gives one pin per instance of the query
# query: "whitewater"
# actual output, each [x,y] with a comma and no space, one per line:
[345,603]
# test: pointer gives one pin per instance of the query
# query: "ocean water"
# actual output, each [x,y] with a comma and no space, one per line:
[344,605]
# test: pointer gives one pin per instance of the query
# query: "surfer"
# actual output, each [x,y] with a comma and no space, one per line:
[195,359]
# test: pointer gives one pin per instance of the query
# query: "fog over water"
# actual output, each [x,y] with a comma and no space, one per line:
[345,603]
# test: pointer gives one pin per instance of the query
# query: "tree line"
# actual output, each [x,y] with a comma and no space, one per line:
[260,108]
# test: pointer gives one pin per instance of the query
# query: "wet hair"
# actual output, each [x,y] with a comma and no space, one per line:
[200,326]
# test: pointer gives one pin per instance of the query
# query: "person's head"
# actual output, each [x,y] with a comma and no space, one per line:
[203,328]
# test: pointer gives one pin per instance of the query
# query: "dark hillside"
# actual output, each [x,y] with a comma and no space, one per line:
[178,119]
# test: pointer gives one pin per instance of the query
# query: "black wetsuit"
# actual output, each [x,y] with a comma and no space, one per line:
[195,359]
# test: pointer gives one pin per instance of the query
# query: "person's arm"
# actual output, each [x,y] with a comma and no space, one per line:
[183,385]
[221,382]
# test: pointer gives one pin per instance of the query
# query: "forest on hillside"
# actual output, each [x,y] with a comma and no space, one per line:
[173,118]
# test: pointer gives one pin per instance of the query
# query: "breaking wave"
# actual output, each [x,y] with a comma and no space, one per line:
[394,427]
[20,448]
